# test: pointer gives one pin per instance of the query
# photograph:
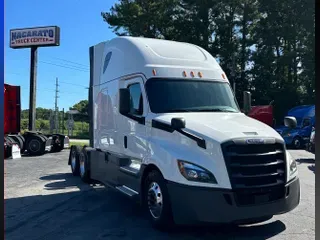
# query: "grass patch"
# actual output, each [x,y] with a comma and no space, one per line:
[76,143]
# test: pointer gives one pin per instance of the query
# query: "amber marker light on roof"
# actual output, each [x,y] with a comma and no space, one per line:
[200,74]
[223,76]
[192,74]
[184,73]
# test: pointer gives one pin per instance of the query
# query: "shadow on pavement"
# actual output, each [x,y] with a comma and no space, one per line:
[312,168]
[100,213]
[261,231]
[64,181]
[310,161]
[306,160]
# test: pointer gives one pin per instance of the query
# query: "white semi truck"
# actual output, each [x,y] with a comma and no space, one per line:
[166,130]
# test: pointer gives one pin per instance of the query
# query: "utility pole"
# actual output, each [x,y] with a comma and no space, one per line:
[62,121]
[56,121]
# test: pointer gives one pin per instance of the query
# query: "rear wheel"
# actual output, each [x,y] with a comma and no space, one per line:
[312,148]
[84,166]
[74,160]
[10,140]
[24,143]
[7,147]
[61,143]
[36,145]
[157,201]
[19,141]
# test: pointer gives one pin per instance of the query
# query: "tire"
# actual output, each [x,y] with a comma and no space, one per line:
[74,160]
[54,143]
[35,145]
[19,141]
[57,143]
[155,185]
[61,145]
[23,141]
[10,140]
[84,166]
[297,143]
[7,148]
[312,148]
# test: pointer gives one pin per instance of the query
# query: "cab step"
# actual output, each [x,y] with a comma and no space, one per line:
[127,191]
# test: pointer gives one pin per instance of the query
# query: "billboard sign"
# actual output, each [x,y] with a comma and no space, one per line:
[35,37]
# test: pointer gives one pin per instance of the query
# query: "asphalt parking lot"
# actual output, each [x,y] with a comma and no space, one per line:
[44,201]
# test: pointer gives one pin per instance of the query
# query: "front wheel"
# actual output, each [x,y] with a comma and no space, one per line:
[312,148]
[297,143]
[157,201]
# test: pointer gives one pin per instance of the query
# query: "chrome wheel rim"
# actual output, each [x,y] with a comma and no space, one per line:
[297,143]
[155,200]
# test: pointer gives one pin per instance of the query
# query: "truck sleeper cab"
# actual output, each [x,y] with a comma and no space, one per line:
[166,130]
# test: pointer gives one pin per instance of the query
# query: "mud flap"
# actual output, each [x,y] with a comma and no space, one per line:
[49,144]
[15,151]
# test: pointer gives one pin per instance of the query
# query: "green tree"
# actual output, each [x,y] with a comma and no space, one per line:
[264,45]
[82,107]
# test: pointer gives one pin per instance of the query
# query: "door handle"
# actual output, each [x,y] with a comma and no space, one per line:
[125,142]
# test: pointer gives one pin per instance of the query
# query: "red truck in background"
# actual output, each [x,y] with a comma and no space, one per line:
[263,113]
[32,142]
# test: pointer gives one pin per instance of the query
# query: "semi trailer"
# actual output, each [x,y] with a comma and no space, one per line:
[166,130]
[31,142]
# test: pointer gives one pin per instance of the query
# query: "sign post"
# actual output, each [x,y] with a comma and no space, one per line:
[33,38]
[33,88]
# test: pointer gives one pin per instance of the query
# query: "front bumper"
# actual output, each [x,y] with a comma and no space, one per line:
[206,205]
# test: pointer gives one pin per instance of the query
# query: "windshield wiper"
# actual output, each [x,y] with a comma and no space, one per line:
[178,110]
[215,110]
[201,110]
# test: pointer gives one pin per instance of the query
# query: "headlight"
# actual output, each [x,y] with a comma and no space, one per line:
[292,166]
[195,173]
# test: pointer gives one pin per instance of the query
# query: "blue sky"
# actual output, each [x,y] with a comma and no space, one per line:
[81,26]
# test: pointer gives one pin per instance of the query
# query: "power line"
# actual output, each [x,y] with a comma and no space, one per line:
[72,92]
[68,65]
[53,90]
[58,65]
[74,84]
[64,60]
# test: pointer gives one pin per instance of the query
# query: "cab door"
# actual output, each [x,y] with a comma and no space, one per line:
[134,135]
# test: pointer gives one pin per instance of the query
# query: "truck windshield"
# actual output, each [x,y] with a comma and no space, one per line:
[173,95]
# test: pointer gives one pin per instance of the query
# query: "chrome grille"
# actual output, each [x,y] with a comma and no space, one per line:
[256,171]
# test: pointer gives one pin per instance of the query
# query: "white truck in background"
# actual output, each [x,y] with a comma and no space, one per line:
[166,130]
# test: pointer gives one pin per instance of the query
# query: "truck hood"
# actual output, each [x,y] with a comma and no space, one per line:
[222,127]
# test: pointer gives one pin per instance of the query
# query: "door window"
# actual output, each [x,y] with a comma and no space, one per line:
[136,99]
